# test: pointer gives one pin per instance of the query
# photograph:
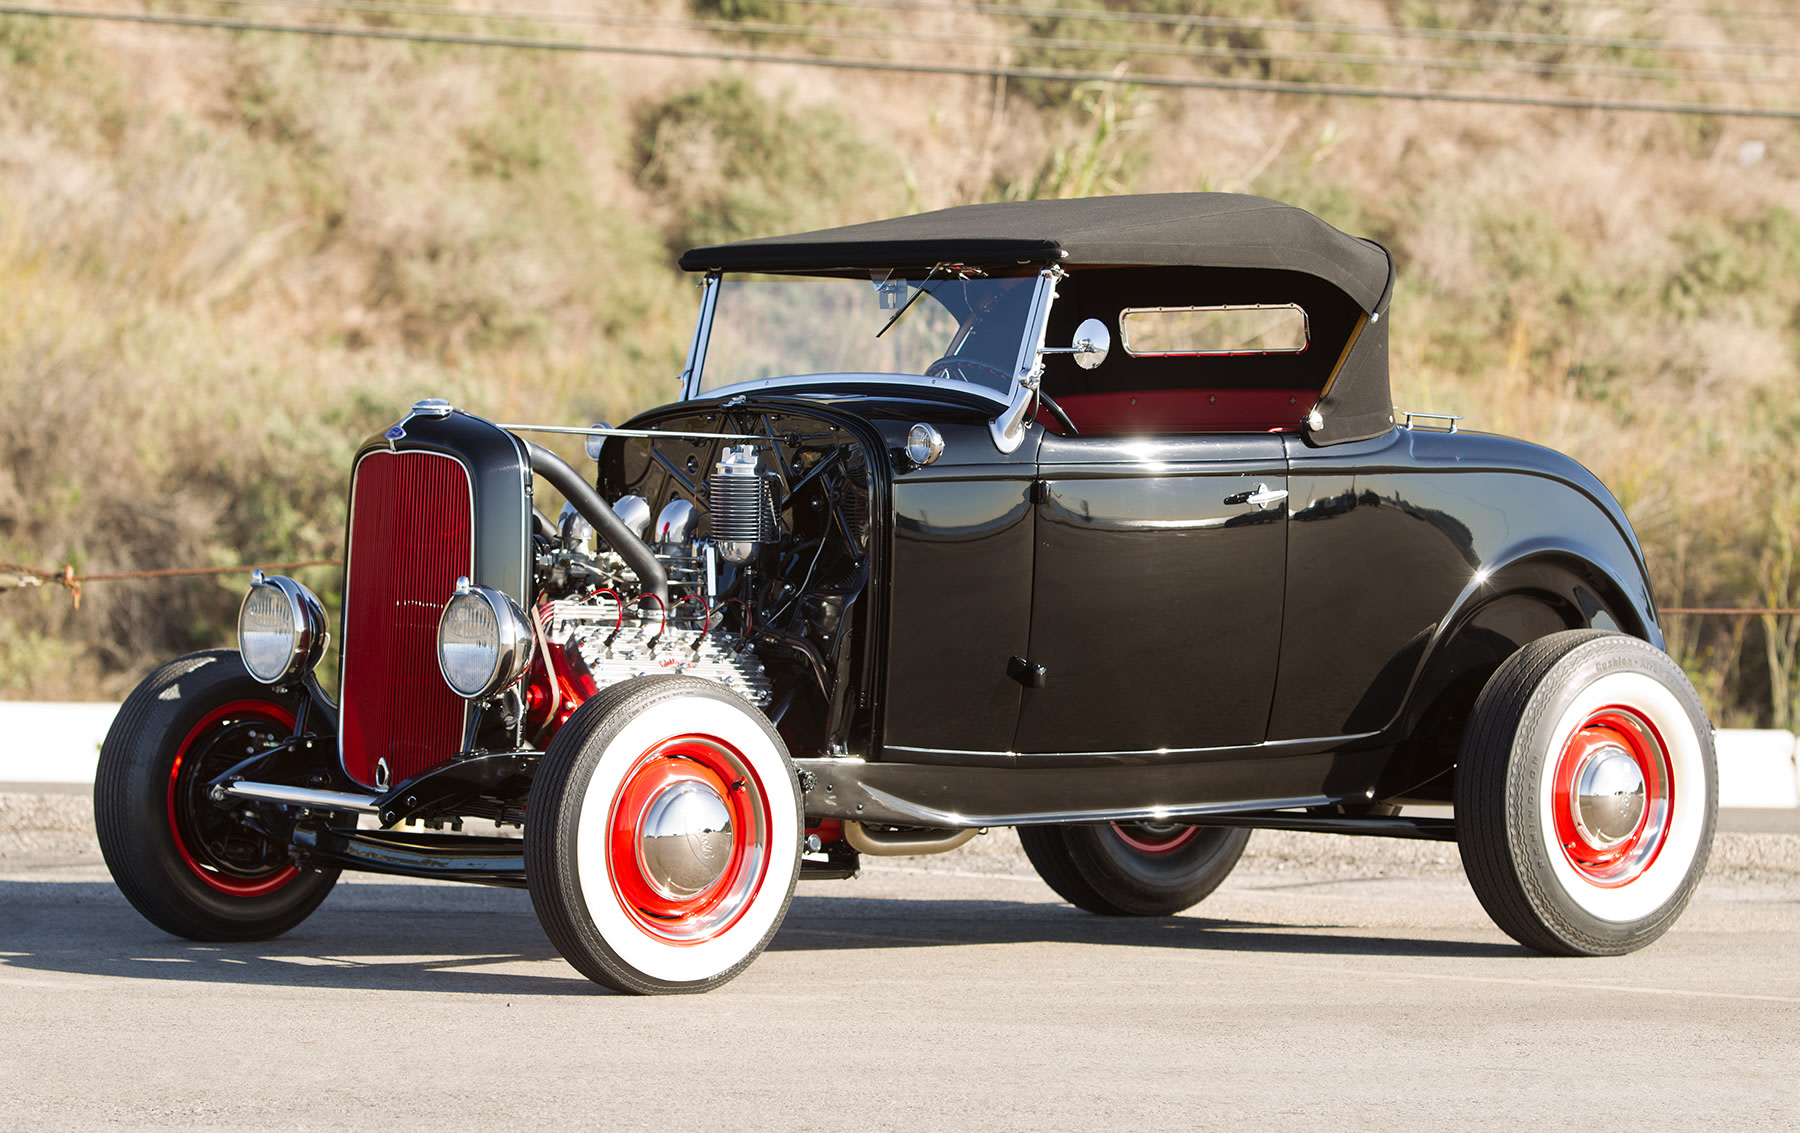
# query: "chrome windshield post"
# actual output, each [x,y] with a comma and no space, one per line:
[1008,429]
[696,358]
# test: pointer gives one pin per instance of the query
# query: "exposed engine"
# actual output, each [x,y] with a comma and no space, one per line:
[602,642]
[764,541]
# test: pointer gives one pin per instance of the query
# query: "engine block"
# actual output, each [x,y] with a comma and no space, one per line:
[616,648]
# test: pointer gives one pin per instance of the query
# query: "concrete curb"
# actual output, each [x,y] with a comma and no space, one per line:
[49,742]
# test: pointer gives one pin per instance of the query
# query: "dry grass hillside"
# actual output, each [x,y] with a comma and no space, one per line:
[225,257]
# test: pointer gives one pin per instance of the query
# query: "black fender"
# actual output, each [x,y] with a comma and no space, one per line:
[1539,588]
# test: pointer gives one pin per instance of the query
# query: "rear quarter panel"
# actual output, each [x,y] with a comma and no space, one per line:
[1396,543]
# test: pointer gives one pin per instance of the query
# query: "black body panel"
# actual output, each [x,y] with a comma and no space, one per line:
[960,609]
[1392,541]
[1156,585]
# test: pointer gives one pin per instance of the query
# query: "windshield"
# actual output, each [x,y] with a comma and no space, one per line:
[947,327]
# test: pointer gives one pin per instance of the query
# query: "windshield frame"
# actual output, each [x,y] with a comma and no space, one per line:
[1025,363]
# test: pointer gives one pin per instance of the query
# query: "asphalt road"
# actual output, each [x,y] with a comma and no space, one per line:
[1333,982]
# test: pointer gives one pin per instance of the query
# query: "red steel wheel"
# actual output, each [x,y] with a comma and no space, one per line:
[663,835]
[191,866]
[221,852]
[689,828]
[1610,796]
[1155,837]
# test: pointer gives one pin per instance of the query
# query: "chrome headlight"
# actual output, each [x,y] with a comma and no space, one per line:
[484,641]
[924,444]
[281,629]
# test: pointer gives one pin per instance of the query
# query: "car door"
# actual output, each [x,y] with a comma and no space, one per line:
[1157,583]
[959,598]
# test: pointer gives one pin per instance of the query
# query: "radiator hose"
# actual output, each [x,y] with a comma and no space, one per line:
[594,508]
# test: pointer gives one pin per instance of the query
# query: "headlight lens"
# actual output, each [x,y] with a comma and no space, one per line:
[281,629]
[484,641]
[924,444]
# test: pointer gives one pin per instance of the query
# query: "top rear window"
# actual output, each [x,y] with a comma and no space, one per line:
[1225,330]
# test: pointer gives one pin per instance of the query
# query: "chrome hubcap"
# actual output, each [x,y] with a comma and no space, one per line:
[1609,797]
[684,842]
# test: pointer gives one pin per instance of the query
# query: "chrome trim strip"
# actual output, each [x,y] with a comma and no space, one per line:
[304,796]
[696,358]
[1305,331]
[1299,745]
[1008,429]
[929,816]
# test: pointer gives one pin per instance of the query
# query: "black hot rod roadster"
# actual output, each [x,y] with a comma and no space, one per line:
[1086,517]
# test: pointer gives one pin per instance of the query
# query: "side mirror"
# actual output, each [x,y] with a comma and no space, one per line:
[1092,343]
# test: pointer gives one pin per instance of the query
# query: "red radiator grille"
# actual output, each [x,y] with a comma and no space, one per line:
[411,531]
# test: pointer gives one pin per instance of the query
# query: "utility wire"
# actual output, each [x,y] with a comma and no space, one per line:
[1238,23]
[1048,74]
[1124,47]
[1647,10]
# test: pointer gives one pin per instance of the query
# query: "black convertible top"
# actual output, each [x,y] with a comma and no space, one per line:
[1183,229]
[1200,230]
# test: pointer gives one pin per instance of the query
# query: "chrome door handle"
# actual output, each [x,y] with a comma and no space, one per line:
[1266,497]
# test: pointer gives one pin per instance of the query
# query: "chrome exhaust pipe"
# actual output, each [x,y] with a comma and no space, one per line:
[893,844]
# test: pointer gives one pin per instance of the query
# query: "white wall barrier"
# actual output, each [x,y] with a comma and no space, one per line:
[44,742]
[1757,768]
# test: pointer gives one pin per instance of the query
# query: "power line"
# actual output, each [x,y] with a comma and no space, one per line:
[1655,10]
[1237,23]
[1048,74]
[1126,47]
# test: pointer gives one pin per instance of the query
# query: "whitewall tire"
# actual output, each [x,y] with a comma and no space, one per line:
[662,836]
[1586,794]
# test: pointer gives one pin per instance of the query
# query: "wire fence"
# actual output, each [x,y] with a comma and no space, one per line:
[14,576]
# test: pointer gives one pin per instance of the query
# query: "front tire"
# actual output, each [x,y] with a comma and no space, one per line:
[1586,794]
[194,869]
[662,841]
[1133,869]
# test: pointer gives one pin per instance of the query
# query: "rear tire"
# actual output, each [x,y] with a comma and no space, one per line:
[194,869]
[1133,869]
[662,841]
[1586,794]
